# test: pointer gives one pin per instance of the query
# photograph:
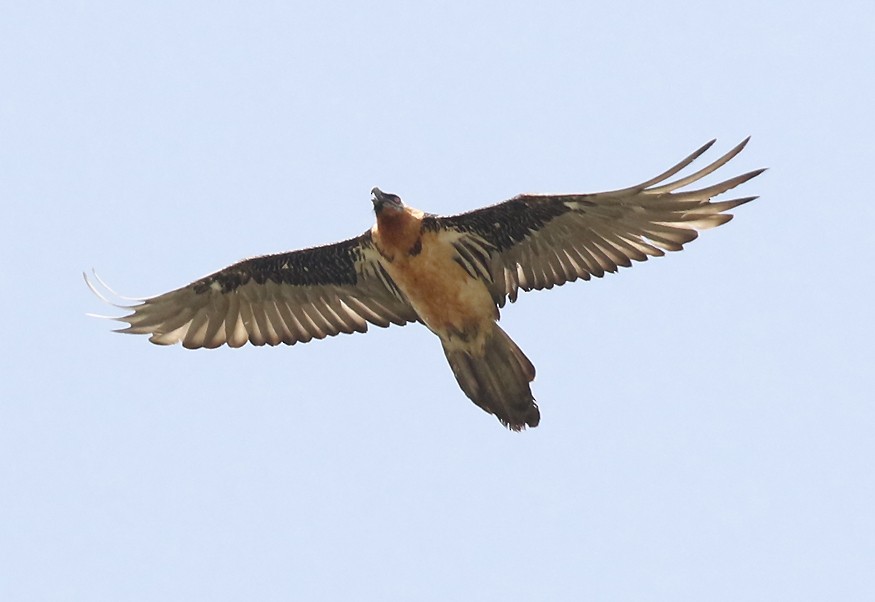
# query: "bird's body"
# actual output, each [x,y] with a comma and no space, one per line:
[450,273]
[445,297]
[456,305]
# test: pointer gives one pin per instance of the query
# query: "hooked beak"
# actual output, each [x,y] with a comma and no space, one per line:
[378,197]
[385,200]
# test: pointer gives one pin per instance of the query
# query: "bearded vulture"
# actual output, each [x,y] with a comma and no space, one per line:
[450,273]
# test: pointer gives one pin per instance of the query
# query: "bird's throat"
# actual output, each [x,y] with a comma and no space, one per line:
[397,234]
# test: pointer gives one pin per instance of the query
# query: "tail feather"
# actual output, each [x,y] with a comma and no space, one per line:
[497,379]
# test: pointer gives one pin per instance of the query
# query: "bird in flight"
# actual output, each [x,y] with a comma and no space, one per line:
[450,273]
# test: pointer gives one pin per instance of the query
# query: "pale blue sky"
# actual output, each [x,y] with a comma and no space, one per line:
[708,427]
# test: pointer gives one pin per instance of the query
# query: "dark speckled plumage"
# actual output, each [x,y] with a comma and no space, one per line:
[504,224]
[325,265]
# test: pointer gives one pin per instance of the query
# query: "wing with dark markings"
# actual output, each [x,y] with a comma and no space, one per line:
[539,241]
[284,298]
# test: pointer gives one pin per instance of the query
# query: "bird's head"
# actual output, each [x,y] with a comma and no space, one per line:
[385,201]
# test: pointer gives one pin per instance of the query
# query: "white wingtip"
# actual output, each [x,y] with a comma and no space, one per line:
[103,297]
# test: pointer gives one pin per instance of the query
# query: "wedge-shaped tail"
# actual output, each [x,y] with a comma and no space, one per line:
[496,377]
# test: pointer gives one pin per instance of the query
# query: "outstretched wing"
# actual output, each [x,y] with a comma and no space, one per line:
[539,241]
[284,298]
